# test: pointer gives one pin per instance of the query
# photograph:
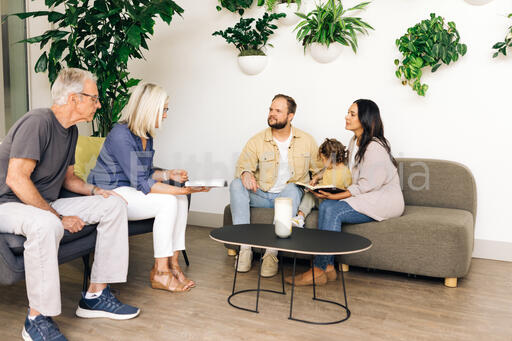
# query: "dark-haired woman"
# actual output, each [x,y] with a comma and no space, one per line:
[375,193]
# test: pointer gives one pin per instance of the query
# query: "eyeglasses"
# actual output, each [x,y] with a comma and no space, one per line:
[94,98]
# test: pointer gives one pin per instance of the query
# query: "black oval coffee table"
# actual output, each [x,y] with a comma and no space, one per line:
[304,241]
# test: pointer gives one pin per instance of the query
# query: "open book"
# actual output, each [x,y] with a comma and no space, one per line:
[317,188]
[207,183]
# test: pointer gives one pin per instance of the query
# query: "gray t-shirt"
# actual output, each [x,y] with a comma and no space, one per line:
[39,136]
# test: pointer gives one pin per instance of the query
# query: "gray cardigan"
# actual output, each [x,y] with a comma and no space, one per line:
[375,185]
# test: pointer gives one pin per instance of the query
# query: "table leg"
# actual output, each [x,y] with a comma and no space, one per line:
[259,280]
[293,286]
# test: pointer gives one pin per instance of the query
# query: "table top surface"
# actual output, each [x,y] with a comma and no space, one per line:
[302,240]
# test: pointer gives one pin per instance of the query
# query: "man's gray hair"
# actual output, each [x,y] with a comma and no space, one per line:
[69,80]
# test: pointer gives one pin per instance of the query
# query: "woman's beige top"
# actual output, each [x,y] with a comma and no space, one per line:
[375,185]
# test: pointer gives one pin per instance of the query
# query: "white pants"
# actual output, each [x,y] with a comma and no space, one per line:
[170,213]
[44,231]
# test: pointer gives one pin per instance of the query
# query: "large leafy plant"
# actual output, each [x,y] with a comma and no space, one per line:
[328,24]
[501,47]
[428,43]
[100,36]
[250,39]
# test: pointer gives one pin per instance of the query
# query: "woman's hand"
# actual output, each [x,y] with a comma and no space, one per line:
[106,193]
[332,196]
[190,190]
[178,175]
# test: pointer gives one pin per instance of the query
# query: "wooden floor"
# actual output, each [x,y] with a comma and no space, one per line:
[385,306]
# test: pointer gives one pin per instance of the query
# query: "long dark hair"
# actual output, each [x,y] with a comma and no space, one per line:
[373,129]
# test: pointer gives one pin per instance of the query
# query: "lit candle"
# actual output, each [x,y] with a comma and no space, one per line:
[283,217]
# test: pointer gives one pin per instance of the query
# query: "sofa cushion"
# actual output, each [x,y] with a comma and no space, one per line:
[87,151]
[15,242]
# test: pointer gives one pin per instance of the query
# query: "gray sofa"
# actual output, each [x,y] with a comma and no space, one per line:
[72,246]
[434,236]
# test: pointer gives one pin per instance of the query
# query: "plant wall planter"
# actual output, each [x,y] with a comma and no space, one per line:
[252,65]
[288,9]
[478,2]
[323,54]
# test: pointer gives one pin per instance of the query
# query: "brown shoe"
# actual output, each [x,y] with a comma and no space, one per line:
[331,275]
[165,280]
[188,283]
[300,281]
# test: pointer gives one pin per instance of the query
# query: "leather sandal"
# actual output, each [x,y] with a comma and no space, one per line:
[165,280]
[331,275]
[186,282]
[300,281]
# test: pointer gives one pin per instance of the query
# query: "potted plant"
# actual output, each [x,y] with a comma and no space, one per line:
[288,7]
[428,43]
[100,37]
[251,40]
[501,47]
[326,29]
[235,5]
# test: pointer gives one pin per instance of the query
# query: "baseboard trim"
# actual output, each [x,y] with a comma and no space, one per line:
[205,219]
[487,249]
[491,249]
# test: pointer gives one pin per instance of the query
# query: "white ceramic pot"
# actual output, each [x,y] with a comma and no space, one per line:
[252,65]
[478,2]
[324,54]
[289,10]
[283,217]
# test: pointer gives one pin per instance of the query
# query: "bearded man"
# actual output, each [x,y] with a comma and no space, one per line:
[268,167]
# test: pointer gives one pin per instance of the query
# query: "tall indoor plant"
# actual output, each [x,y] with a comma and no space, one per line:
[432,42]
[288,7]
[100,36]
[327,27]
[250,37]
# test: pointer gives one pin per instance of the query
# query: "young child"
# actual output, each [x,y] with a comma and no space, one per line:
[334,157]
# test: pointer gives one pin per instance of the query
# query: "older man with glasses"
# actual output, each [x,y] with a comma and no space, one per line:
[36,160]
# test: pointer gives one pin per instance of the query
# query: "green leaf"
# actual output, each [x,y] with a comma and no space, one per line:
[41,63]
[133,36]
[435,67]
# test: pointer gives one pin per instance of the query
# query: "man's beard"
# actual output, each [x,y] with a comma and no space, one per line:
[277,125]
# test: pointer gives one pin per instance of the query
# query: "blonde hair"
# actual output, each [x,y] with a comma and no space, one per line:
[69,80]
[145,107]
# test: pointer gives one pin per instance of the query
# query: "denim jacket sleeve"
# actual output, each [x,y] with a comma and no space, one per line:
[136,164]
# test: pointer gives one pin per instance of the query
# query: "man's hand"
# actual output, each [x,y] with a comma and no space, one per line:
[72,224]
[249,181]
[106,193]
[178,175]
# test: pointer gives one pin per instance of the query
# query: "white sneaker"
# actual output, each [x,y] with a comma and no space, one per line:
[244,261]
[269,265]
[298,221]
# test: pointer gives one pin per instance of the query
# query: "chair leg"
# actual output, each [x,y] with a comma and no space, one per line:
[185,257]
[344,267]
[87,272]
[450,282]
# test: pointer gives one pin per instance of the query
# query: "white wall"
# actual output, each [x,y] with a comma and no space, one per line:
[215,108]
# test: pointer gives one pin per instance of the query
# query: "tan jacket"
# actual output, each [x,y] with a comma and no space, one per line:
[375,188]
[260,156]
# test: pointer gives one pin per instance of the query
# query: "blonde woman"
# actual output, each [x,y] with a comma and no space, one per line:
[125,164]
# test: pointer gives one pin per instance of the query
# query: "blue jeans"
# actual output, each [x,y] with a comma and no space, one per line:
[241,200]
[332,214]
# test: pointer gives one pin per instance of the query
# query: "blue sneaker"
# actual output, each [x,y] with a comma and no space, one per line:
[42,328]
[105,305]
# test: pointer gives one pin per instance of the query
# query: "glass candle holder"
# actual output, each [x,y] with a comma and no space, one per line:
[283,217]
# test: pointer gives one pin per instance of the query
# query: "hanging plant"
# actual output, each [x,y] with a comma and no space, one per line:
[235,5]
[428,43]
[502,46]
[327,24]
[250,40]
[271,4]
